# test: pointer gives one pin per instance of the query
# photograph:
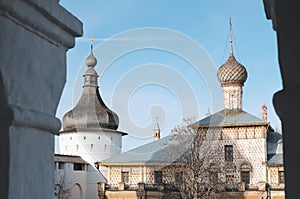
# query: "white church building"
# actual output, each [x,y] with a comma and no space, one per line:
[89,135]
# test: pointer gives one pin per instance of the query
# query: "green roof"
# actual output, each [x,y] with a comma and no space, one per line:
[152,153]
[228,117]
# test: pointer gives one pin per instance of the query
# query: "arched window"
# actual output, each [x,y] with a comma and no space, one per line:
[76,191]
[245,170]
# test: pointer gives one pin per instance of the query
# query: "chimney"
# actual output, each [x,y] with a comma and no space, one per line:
[208,113]
[264,112]
[156,134]
[157,131]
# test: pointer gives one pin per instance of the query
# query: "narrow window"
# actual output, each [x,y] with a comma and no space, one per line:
[78,167]
[230,179]
[157,177]
[229,153]
[245,177]
[92,147]
[61,165]
[178,177]
[281,177]
[125,176]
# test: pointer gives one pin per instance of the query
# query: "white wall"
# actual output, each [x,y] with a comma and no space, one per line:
[77,180]
[91,146]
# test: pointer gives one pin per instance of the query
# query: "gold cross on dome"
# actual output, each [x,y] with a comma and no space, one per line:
[92,39]
[230,39]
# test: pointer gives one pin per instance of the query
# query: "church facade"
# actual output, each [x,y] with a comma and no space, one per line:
[248,156]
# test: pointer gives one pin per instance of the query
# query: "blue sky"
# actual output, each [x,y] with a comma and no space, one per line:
[155,72]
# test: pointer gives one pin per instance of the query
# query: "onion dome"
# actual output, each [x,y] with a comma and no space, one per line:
[232,71]
[91,60]
[90,111]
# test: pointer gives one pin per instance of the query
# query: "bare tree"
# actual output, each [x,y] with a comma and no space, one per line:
[198,166]
[62,189]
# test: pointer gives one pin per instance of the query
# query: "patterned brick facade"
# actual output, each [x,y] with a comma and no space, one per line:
[249,147]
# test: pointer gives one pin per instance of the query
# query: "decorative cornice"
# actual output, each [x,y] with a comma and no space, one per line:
[34,119]
[108,164]
[234,125]
[78,130]
[47,19]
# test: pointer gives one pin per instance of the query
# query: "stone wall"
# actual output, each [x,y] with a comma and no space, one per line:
[35,36]
[92,146]
[273,175]
[139,174]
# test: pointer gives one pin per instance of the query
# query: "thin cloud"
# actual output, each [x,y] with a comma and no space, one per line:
[127,39]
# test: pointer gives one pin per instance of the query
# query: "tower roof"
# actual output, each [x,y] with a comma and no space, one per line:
[90,111]
[232,71]
[229,118]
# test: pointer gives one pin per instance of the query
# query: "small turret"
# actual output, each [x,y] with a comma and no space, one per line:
[157,131]
[264,112]
[208,113]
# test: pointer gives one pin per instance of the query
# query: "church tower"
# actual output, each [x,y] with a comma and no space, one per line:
[232,76]
[90,128]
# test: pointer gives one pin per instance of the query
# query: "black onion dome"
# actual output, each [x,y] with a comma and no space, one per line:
[90,111]
[232,72]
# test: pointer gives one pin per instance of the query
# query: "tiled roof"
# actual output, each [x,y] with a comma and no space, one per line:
[228,117]
[276,159]
[90,111]
[274,149]
[69,159]
[151,153]
[156,152]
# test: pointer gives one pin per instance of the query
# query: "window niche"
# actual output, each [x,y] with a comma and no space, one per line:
[178,177]
[229,153]
[230,179]
[78,167]
[245,170]
[125,176]
[281,177]
[158,177]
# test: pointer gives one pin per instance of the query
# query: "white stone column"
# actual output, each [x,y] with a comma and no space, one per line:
[34,38]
